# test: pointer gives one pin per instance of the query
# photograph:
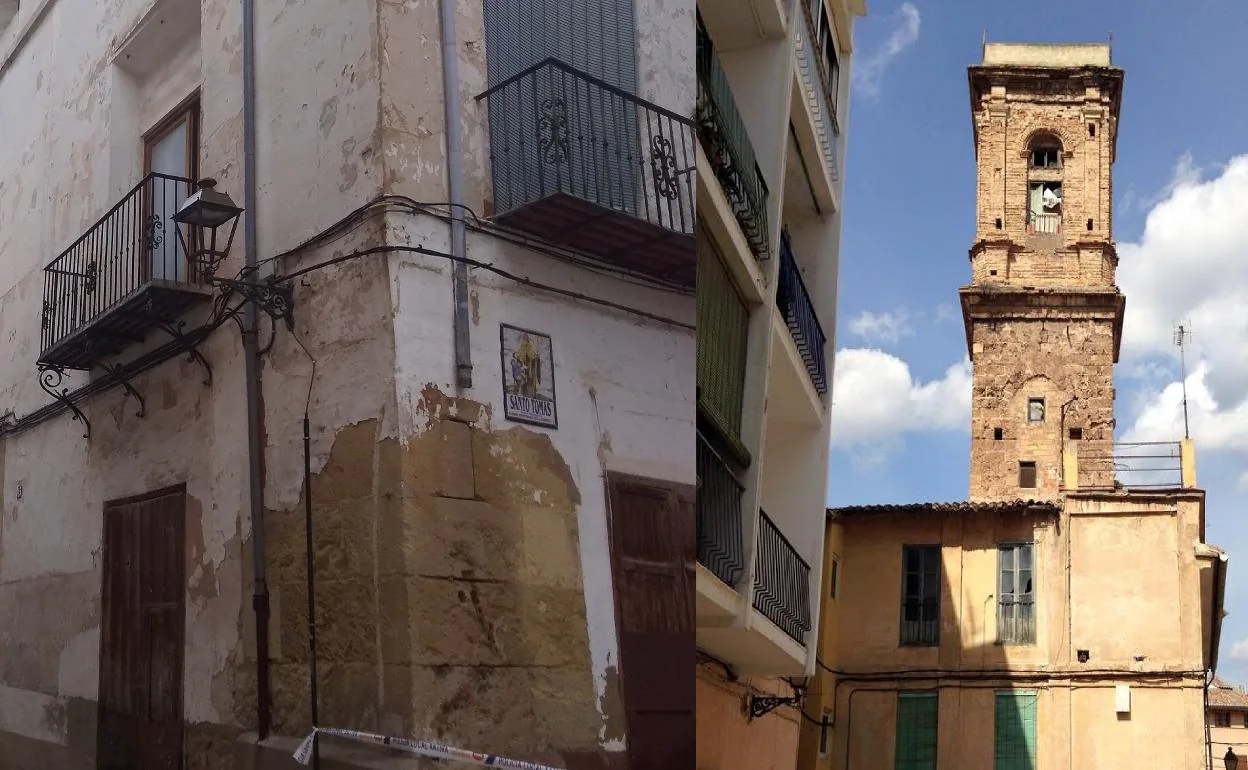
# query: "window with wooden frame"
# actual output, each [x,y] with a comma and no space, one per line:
[1027,474]
[920,595]
[170,166]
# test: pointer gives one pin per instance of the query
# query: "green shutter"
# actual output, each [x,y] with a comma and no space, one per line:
[916,730]
[1015,730]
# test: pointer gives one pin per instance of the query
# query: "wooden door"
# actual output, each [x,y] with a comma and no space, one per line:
[653,553]
[142,633]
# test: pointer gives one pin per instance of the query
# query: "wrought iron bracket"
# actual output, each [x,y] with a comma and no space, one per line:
[274,296]
[119,373]
[192,350]
[50,379]
[762,705]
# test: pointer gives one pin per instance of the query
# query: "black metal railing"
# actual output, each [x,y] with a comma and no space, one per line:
[727,146]
[920,622]
[1133,465]
[723,320]
[719,516]
[556,130]
[132,245]
[781,581]
[821,76]
[799,314]
[1016,621]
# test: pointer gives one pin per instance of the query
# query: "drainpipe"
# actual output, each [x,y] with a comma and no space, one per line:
[455,185]
[251,364]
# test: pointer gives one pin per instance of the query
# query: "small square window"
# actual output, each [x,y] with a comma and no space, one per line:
[1027,474]
[1076,434]
[1035,410]
[998,434]
[825,734]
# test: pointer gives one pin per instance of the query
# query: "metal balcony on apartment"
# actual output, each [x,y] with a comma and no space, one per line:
[726,145]
[799,366]
[752,613]
[584,164]
[816,89]
[125,276]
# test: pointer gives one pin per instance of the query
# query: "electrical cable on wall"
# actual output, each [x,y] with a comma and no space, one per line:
[340,229]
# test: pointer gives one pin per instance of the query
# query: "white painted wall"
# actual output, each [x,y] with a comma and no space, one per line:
[72,121]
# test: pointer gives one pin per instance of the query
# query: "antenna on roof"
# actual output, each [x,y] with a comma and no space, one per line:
[985,36]
[1182,333]
[1111,46]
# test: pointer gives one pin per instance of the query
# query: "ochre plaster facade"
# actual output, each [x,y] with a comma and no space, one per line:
[1122,595]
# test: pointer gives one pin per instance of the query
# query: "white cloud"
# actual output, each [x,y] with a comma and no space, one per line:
[1239,650]
[869,70]
[947,312]
[876,401]
[877,328]
[1189,266]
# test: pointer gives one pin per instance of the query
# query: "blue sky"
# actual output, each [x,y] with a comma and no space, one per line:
[902,391]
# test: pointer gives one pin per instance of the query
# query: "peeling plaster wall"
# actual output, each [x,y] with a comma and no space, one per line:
[72,121]
[464,560]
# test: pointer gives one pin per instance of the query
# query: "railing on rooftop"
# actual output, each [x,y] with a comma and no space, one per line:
[129,267]
[799,315]
[1140,465]
[781,581]
[727,145]
[719,516]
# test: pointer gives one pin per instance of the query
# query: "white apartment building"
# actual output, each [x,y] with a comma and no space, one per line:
[773,95]
[479,326]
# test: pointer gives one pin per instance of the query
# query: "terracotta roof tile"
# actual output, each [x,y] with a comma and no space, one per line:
[962,506]
[1225,695]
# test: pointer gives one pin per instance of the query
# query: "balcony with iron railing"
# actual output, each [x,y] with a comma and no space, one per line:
[726,143]
[125,276]
[798,311]
[781,581]
[820,87]
[719,515]
[581,163]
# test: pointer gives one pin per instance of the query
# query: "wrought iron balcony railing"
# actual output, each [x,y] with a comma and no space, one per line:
[781,581]
[723,319]
[125,274]
[727,146]
[719,516]
[799,314]
[588,165]
[1016,621]
[820,85]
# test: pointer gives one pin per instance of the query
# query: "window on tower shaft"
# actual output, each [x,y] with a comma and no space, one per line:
[1044,185]
[1035,410]
[1046,157]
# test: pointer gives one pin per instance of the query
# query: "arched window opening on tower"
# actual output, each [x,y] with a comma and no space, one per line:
[1044,185]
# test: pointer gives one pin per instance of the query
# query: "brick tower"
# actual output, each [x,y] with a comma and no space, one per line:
[1043,315]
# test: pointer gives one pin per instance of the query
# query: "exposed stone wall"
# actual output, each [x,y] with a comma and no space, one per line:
[1066,362]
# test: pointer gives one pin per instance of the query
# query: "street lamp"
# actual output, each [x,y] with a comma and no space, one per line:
[1232,761]
[204,213]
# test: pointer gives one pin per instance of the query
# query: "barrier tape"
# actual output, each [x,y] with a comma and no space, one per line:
[423,748]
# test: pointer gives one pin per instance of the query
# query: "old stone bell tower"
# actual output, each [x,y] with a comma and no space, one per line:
[1042,312]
